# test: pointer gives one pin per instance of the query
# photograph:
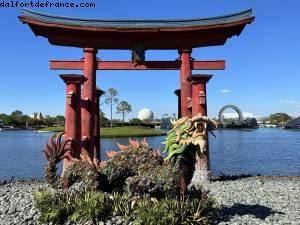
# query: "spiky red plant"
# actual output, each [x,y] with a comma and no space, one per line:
[56,149]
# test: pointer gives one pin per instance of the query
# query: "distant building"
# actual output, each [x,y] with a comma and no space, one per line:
[38,116]
[146,114]
[1,123]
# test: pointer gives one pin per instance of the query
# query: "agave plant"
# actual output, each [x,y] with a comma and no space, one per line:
[56,148]
[55,151]
[188,131]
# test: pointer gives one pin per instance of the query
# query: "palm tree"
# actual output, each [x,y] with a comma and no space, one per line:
[111,99]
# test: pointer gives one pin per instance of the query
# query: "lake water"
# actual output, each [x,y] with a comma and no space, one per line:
[265,151]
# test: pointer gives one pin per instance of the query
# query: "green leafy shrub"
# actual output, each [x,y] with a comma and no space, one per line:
[127,163]
[57,206]
[92,206]
[52,206]
[122,203]
[152,213]
[172,211]
[85,172]
[157,181]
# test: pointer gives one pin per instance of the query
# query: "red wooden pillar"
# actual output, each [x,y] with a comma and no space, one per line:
[178,94]
[185,72]
[97,151]
[88,103]
[199,82]
[73,114]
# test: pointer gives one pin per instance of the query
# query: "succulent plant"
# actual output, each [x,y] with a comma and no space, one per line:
[55,151]
[85,173]
[126,162]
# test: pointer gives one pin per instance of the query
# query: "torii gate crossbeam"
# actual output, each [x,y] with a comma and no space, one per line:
[129,65]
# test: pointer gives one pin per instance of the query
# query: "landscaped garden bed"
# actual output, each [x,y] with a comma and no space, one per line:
[136,183]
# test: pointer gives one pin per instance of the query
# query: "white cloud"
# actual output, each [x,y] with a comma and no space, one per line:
[225,91]
[287,101]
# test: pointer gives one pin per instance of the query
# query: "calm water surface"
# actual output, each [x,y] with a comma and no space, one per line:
[265,151]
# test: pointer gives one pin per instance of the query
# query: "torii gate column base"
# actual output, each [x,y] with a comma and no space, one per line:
[199,103]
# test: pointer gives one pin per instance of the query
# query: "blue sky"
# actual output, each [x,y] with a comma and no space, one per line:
[262,65]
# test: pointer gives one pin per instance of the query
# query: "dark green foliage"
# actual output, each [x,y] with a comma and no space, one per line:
[278,118]
[172,211]
[18,119]
[152,214]
[57,207]
[122,203]
[157,181]
[83,171]
[92,206]
[127,163]
[135,121]
[52,206]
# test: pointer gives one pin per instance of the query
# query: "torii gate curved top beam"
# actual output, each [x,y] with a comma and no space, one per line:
[123,34]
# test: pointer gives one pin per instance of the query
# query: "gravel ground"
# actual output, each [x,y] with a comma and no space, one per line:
[252,200]
[258,200]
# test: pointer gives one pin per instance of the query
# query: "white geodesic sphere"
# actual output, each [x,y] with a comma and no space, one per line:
[146,114]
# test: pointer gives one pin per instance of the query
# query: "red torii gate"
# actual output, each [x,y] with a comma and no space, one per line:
[137,36]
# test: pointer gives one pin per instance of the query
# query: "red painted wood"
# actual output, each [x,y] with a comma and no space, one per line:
[185,72]
[97,149]
[199,102]
[199,98]
[129,65]
[178,94]
[155,38]
[73,114]
[88,103]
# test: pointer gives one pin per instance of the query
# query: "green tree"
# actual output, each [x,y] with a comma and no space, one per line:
[16,118]
[103,119]
[49,121]
[35,122]
[278,118]
[4,118]
[111,99]
[60,120]
[124,108]
[136,122]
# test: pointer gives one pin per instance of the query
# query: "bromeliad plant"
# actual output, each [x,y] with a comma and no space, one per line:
[55,151]
[186,133]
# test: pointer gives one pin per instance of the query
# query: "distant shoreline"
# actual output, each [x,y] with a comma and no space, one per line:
[117,132]
[16,128]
